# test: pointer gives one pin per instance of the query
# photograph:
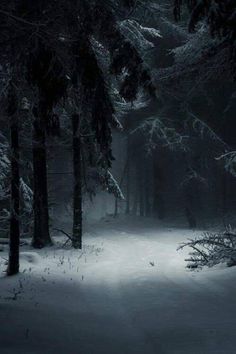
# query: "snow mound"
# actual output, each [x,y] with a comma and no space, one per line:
[30,257]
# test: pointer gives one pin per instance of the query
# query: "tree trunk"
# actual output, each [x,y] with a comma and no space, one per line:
[141,195]
[224,199]
[136,194]
[127,211]
[158,198]
[135,204]
[147,190]
[14,242]
[147,201]
[41,235]
[190,215]
[77,195]
[116,208]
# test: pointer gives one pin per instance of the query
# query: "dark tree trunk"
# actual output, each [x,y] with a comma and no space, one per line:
[141,195]
[224,185]
[136,201]
[192,223]
[158,183]
[116,208]
[147,190]
[136,194]
[141,203]
[127,211]
[77,195]
[41,235]
[147,201]
[190,190]
[190,215]
[14,242]
[135,204]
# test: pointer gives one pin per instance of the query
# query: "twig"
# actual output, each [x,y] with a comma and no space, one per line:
[66,234]
[20,19]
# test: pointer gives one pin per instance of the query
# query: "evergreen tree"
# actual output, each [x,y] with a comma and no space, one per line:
[55,43]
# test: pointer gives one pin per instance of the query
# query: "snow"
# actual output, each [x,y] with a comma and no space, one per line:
[128,291]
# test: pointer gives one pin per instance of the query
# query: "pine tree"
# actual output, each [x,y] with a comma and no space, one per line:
[56,48]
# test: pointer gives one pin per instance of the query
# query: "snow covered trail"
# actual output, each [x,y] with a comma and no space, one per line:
[128,292]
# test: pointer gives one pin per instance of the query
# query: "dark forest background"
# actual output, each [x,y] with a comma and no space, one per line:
[135,98]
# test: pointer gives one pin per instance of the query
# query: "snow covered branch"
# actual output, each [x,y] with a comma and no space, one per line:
[210,249]
[229,160]
[157,132]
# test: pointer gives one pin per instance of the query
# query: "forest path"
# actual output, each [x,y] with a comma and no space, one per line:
[127,292]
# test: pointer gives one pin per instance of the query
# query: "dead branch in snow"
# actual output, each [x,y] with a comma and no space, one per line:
[210,249]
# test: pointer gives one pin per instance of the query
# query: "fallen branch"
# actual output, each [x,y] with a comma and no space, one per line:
[70,238]
[211,248]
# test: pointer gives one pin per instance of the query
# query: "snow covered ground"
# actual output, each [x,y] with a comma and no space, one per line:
[127,292]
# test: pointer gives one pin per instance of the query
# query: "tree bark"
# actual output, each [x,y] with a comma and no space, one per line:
[77,195]
[14,241]
[224,199]
[190,215]
[141,195]
[158,199]
[41,234]
[147,196]
[116,208]
[127,211]
[136,194]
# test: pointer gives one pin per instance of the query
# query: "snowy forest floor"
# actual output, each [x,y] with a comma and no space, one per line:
[128,291]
